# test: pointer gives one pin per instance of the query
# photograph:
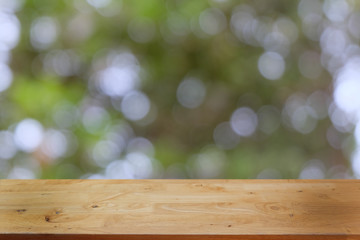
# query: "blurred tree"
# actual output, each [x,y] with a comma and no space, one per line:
[178,89]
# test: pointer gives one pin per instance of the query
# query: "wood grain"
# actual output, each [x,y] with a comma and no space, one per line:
[180,209]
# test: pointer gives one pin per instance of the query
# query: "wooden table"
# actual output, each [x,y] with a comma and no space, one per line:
[180,209]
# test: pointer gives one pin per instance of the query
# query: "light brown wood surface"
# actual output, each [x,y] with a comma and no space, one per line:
[179,209]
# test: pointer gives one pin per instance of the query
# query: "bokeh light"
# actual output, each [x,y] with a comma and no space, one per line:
[43,32]
[9,29]
[28,135]
[135,105]
[271,65]
[8,148]
[191,93]
[244,121]
[6,77]
[54,144]
[212,21]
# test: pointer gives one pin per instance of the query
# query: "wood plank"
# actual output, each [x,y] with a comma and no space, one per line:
[180,209]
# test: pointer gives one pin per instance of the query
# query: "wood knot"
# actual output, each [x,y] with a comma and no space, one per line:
[47,218]
[275,208]
[229,225]
[57,212]
[272,207]
[95,206]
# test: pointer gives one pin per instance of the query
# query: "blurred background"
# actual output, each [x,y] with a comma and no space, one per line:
[179,89]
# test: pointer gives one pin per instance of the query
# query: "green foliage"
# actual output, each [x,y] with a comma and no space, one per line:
[165,53]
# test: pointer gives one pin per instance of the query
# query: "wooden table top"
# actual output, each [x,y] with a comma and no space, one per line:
[179,209]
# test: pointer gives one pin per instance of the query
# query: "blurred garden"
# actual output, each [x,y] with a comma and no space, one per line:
[179,89]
